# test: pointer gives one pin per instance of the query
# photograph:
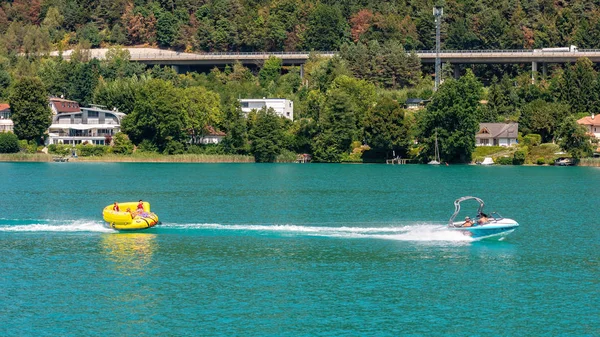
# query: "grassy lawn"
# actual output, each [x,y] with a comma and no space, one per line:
[547,152]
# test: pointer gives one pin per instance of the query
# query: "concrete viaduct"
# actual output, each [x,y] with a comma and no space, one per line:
[181,60]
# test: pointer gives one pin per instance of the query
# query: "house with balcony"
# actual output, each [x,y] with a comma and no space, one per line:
[74,125]
[497,134]
[6,124]
[282,107]
[591,124]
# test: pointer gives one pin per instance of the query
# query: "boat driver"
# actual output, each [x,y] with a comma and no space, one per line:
[468,222]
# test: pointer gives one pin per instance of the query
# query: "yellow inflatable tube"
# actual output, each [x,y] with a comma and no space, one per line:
[129,220]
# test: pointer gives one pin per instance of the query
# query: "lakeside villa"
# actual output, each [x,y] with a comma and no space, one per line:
[282,107]
[497,134]
[74,125]
[6,124]
[592,125]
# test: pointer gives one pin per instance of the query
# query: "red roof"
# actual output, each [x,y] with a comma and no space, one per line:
[64,105]
[589,120]
[4,106]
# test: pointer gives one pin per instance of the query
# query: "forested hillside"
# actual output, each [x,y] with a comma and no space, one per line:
[286,25]
[346,108]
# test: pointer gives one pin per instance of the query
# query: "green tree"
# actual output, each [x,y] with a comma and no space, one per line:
[236,139]
[5,81]
[574,139]
[327,29]
[30,111]
[90,33]
[385,130]
[453,116]
[9,143]
[585,82]
[541,117]
[337,129]
[159,115]
[203,108]
[266,136]
[120,93]
[167,27]
[122,144]
[270,71]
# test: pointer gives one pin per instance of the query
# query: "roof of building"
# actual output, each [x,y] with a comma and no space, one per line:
[4,106]
[262,99]
[210,131]
[498,130]
[64,105]
[589,120]
[414,100]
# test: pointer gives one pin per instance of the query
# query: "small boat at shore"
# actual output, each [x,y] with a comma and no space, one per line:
[127,218]
[493,226]
[436,160]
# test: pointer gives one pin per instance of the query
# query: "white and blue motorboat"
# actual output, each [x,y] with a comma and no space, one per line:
[482,226]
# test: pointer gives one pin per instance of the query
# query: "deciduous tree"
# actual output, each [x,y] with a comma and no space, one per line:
[30,112]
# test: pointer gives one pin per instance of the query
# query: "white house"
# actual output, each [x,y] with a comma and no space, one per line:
[6,124]
[74,125]
[592,125]
[282,107]
[497,134]
[212,136]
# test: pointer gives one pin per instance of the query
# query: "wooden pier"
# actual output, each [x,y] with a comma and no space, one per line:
[399,161]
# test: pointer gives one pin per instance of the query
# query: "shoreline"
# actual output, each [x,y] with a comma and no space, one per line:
[184,158]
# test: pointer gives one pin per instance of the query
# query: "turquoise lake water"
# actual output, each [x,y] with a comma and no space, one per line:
[297,250]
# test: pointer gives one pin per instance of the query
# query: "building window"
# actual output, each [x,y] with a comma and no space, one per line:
[92,113]
[485,141]
[244,104]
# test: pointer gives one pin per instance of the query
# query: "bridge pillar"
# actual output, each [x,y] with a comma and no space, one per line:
[302,71]
[533,71]
[544,69]
[456,70]
[176,68]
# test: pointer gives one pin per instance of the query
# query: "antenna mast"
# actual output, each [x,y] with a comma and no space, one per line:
[438,11]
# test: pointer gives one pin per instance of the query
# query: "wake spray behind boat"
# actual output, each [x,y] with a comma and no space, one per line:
[484,226]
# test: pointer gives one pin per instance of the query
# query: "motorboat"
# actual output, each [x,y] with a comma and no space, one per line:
[482,226]
[563,162]
[127,217]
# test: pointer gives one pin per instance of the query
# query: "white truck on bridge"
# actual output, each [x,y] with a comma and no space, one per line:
[571,49]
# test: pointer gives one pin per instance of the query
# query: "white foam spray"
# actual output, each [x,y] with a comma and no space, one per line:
[412,232]
[57,226]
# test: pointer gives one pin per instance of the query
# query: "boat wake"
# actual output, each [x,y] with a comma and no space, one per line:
[46,225]
[408,232]
[382,231]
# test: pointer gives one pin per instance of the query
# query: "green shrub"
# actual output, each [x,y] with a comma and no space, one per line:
[122,144]
[173,147]
[286,156]
[28,147]
[60,149]
[532,140]
[541,161]
[147,146]
[9,143]
[504,161]
[519,157]
[91,150]
[550,161]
